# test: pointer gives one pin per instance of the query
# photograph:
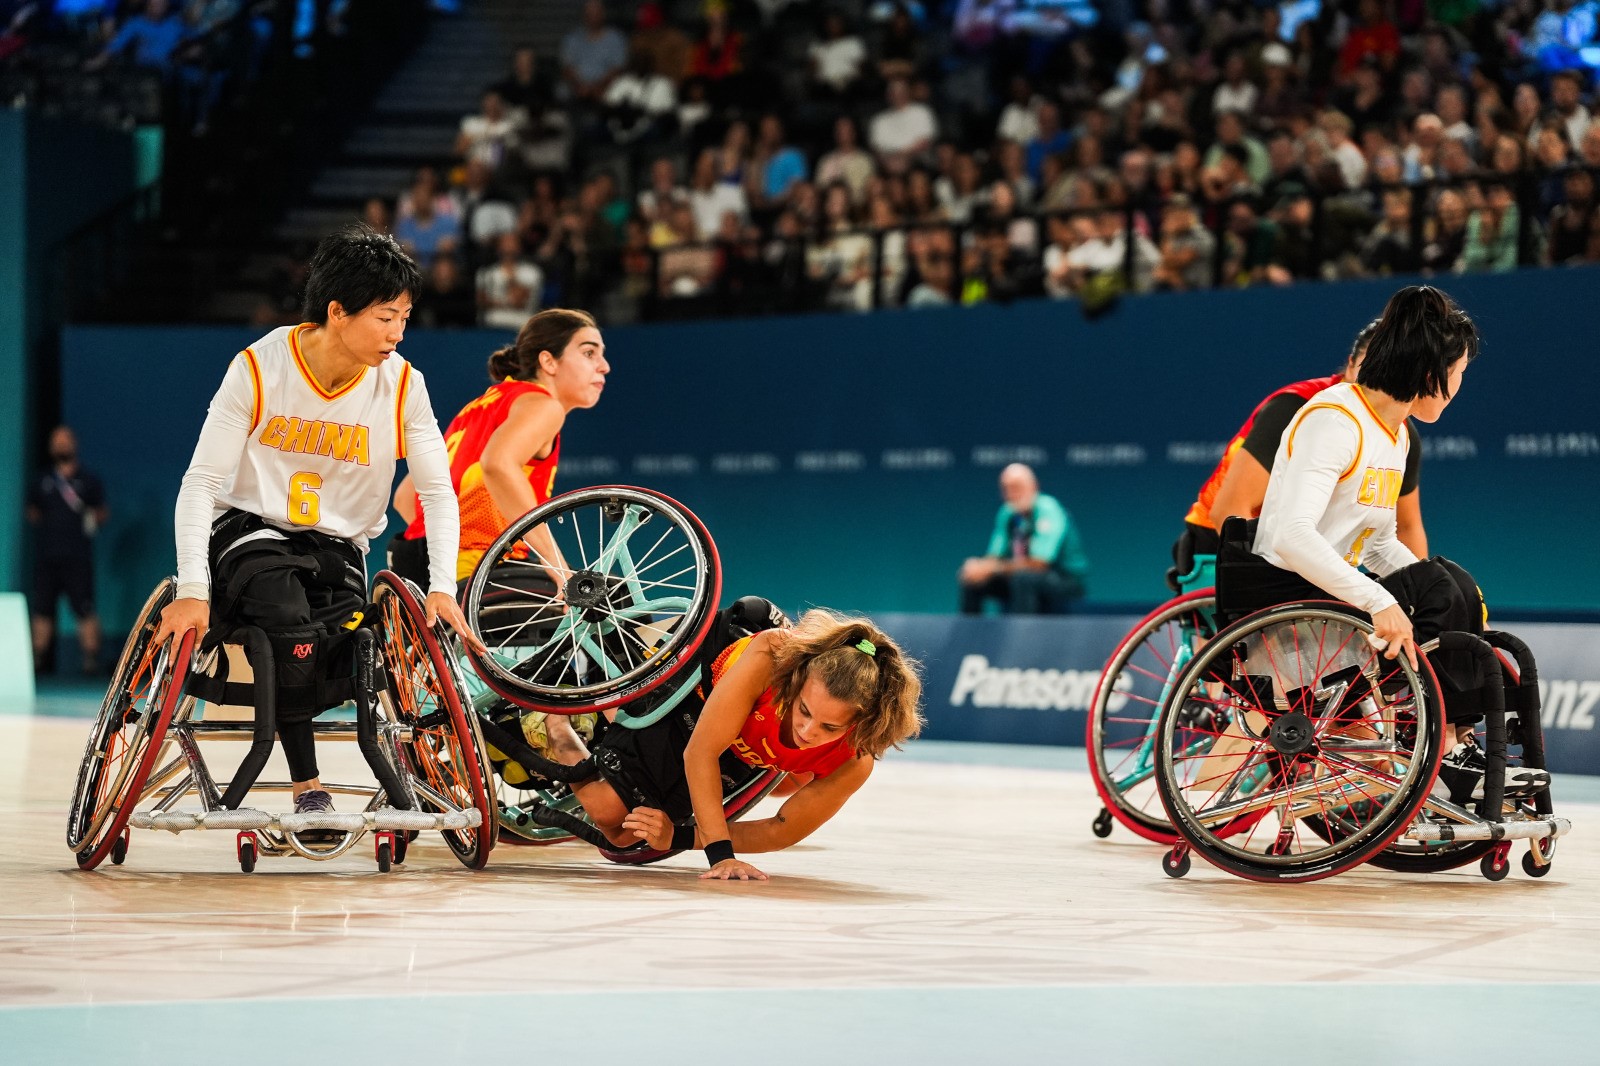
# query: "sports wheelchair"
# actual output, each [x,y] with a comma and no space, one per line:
[1287,747]
[144,753]
[599,600]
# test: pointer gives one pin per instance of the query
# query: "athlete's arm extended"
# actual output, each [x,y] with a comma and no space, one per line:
[804,812]
[528,432]
[723,716]
[223,436]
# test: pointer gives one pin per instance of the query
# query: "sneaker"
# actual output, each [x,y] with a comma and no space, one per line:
[1462,770]
[316,801]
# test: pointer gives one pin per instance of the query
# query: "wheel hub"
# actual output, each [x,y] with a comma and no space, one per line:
[1292,734]
[585,589]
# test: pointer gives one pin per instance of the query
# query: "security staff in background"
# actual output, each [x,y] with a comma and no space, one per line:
[66,506]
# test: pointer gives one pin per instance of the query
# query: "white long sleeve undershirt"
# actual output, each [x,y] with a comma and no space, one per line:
[1300,495]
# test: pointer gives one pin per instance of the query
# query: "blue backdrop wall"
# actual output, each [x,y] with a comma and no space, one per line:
[851,461]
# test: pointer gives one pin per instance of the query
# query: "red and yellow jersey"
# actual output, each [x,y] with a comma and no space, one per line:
[759,741]
[1200,511]
[467,436]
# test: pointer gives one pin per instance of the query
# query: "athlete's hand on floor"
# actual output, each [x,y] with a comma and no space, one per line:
[441,605]
[180,616]
[733,870]
[651,826]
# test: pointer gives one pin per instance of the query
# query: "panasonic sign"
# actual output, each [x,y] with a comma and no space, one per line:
[1024,689]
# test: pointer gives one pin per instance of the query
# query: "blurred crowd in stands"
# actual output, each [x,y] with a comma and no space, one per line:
[691,157]
[793,155]
[128,62]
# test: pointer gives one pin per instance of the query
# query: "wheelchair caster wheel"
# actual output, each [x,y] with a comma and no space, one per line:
[1282,844]
[1176,862]
[1530,867]
[119,850]
[1102,824]
[402,842]
[1494,865]
[385,856]
[246,848]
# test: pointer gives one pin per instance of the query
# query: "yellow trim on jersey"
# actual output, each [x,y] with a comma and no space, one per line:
[400,412]
[305,371]
[1361,436]
[1393,437]
[255,387]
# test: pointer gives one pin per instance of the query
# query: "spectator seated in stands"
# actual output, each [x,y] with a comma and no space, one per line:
[508,290]
[718,57]
[848,161]
[669,48]
[426,231]
[641,103]
[491,135]
[524,88]
[838,61]
[903,132]
[486,213]
[775,168]
[1390,247]
[591,57]
[1186,248]
[149,39]
[1448,238]
[447,301]
[1035,562]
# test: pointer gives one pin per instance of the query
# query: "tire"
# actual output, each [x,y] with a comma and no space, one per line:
[128,735]
[606,662]
[446,749]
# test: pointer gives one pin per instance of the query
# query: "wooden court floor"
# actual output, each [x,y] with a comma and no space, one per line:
[941,875]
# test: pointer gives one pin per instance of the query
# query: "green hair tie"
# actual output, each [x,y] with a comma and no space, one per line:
[868,647]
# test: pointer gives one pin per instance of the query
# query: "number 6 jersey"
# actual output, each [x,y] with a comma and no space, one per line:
[278,444]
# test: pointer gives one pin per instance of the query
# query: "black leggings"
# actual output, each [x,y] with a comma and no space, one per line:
[299,749]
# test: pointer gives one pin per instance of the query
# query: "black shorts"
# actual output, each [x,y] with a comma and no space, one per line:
[54,578]
[645,766]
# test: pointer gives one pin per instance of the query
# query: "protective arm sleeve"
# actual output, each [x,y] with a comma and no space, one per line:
[216,456]
[429,463]
[1326,443]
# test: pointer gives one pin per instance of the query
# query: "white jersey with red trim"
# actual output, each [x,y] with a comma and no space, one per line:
[279,444]
[1330,502]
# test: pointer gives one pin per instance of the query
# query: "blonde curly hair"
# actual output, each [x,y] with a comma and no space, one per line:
[884,685]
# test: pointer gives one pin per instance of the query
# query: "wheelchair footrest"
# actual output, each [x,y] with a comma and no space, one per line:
[181,821]
[1532,829]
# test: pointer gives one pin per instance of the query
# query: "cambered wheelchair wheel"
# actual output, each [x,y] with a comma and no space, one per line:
[129,733]
[639,580]
[1127,705]
[446,752]
[1311,724]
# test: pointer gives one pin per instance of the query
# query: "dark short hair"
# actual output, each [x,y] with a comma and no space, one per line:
[1419,338]
[356,268]
[1238,153]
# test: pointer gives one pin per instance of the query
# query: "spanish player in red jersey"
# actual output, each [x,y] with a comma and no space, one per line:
[822,701]
[506,444]
[1239,483]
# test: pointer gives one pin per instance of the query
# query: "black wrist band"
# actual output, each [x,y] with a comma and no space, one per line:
[682,837]
[718,850]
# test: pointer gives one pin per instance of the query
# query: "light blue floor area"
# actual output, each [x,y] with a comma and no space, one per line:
[1307,1025]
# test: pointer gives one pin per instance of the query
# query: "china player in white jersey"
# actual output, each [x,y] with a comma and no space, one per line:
[1330,501]
[302,440]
